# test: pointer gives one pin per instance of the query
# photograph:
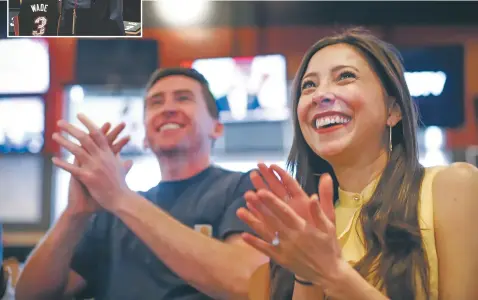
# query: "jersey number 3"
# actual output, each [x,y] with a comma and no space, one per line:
[39,26]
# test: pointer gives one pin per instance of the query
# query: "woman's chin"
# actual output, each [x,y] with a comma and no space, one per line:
[330,151]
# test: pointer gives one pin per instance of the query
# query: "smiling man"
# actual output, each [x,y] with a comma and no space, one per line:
[180,240]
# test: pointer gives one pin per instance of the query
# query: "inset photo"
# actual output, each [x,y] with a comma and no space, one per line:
[79,18]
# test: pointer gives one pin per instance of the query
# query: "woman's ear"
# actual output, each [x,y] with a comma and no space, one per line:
[394,113]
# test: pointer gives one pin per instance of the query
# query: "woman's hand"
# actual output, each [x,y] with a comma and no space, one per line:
[281,184]
[305,228]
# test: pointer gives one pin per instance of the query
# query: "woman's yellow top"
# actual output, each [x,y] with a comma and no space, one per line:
[350,234]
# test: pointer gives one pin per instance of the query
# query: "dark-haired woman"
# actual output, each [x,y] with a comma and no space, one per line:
[384,227]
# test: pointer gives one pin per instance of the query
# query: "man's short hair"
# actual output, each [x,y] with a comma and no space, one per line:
[193,74]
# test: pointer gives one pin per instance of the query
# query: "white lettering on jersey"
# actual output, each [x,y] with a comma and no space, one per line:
[39,26]
[39,7]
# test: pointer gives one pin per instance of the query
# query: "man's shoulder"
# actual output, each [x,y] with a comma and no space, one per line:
[222,171]
[229,177]
[148,194]
[236,183]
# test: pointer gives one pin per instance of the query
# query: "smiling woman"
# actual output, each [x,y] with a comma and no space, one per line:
[385,227]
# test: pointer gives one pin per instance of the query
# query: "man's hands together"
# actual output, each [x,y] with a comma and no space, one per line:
[98,174]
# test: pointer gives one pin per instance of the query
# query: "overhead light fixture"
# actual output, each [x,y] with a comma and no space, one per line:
[183,12]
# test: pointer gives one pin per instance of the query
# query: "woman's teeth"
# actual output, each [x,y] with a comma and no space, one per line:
[329,121]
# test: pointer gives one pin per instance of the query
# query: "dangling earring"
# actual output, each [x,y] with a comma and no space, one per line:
[390,146]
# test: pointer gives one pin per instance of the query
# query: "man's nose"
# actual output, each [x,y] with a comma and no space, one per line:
[169,107]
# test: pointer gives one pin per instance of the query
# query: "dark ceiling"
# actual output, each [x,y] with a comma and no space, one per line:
[369,13]
[283,13]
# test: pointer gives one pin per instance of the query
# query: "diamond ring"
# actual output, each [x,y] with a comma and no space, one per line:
[275,242]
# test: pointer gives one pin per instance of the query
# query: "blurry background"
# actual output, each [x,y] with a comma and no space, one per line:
[249,51]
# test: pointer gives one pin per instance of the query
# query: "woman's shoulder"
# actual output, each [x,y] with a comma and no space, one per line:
[442,184]
[455,189]
[444,177]
[452,177]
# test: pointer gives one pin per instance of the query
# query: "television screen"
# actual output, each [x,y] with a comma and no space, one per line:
[116,61]
[21,183]
[113,109]
[27,69]
[247,88]
[435,78]
[22,123]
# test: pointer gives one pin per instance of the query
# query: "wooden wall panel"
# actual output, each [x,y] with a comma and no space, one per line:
[62,58]
[177,46]
[468,135]
[433,35]
[254,41]
[298,39]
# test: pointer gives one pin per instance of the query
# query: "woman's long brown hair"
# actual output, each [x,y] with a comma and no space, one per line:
[394,248]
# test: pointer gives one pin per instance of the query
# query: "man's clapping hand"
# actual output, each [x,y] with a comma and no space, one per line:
[80,200]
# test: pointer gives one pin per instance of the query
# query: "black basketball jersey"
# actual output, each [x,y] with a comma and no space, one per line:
[38,18]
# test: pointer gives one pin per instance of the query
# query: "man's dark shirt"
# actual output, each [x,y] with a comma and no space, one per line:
[118,265]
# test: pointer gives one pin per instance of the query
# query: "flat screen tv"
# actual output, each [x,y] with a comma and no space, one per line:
[435,78]
[22,182]
[22,125]
[247,88]
[127,107]
[116,61]
[27,69]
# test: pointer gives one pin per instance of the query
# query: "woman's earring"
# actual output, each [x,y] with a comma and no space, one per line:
[390,146]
